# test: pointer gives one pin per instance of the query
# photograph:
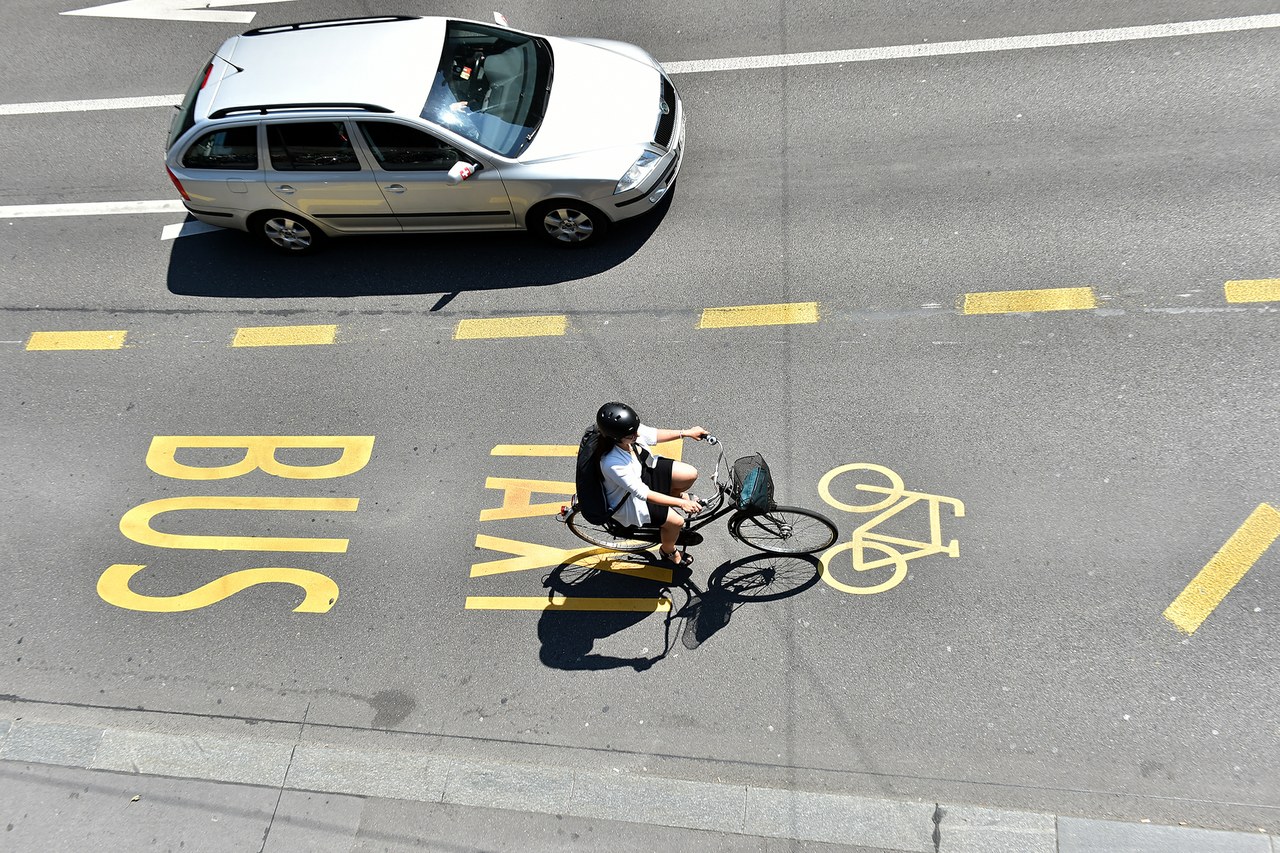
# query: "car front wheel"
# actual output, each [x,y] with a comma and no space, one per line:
[569,224]
[286,232]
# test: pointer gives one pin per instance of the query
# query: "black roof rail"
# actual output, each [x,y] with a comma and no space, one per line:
[263,109]
[332,22]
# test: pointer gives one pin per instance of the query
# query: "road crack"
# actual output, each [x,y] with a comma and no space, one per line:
[266,834]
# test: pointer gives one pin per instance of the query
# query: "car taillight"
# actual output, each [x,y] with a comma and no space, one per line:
[205,79]
[177,184]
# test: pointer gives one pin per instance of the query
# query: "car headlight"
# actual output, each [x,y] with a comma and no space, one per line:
[639,170]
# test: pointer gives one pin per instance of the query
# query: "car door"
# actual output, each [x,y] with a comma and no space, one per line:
[313,168]
[412,169]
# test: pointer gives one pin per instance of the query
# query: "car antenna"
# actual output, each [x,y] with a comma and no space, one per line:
[229,62]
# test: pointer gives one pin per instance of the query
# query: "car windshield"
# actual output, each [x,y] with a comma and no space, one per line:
[491,87]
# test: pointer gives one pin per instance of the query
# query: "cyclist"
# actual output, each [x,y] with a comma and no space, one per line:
[643,485]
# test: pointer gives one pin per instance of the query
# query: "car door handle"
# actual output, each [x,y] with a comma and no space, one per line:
[396,188]
[284,188]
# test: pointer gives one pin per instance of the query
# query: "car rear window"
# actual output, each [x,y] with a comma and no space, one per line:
[311,146]
[186,116]
[228,148]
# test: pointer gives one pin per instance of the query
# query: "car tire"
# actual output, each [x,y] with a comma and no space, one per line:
[287,233]
[567,223]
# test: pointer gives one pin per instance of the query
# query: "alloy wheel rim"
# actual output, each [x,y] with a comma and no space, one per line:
[568,226]
[288,234]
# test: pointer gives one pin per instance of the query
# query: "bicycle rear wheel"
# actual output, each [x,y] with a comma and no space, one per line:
[783,530]
[601,536]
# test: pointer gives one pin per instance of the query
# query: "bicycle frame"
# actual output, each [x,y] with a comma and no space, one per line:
[777,530]
[724,503]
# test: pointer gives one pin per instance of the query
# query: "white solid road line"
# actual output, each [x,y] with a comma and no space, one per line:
[950,48]
[868,54]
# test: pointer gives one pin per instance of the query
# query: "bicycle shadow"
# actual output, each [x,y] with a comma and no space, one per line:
[569,635]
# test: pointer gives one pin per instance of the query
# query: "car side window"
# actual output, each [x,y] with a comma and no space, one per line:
[228,148]
[311,146]
[399,148]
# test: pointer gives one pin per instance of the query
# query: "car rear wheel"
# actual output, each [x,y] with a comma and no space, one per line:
[287,232]
[569,224]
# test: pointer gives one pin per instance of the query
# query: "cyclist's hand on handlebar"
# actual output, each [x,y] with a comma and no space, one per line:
[691,507]
[697,433]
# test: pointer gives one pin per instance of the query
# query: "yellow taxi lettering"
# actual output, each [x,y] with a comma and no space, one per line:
[527,556]
[517,496]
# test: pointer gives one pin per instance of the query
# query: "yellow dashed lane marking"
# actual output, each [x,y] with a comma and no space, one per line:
[670,449]
[1207,589]
[1021,301]
[535,450]
[75,340]
[510,327]
[1253,290]
[284,336]
[560,602]
[780,314]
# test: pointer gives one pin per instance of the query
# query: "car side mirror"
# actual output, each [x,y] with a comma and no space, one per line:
[460,171]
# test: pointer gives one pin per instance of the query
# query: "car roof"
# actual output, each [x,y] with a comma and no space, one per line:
[389,62]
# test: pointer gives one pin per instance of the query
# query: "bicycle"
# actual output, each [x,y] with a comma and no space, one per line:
[778,530]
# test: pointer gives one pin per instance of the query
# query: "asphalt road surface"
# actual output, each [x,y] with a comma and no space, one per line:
[1086,463]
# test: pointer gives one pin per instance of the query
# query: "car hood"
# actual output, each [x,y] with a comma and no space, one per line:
[599,99]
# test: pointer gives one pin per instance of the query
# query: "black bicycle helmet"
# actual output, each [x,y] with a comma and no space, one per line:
[617,420]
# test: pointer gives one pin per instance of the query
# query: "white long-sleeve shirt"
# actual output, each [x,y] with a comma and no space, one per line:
[621,471]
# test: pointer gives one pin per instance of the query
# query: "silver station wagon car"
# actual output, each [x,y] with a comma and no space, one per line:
[396,124]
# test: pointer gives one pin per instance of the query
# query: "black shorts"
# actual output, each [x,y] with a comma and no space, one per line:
[658,479]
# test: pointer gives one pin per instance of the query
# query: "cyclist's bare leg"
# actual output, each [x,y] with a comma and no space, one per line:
[683,476]
[669,533]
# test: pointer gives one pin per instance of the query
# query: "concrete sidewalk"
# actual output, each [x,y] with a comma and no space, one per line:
[68,785]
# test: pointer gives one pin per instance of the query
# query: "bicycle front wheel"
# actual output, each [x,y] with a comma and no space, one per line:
[784,530]
[601,536]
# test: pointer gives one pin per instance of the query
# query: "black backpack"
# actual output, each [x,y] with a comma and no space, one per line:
[592,503]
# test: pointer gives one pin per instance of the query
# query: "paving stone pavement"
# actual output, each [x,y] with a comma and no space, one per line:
[63,785]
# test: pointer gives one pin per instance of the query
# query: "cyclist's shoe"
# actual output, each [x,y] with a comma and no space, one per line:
[670,559]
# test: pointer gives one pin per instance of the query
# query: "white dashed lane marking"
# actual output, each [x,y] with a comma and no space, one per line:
[90,105]
[93,208]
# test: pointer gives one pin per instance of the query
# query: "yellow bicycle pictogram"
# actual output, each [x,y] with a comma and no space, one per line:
[870,477]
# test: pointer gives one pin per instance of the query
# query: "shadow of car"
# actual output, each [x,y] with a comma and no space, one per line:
[227,264]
